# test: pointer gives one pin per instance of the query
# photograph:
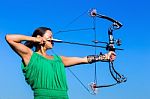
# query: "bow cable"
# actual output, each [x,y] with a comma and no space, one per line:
[109,46]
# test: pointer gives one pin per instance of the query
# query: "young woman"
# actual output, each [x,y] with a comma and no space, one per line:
[45,73]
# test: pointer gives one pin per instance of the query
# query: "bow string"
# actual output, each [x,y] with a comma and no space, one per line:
[110,46]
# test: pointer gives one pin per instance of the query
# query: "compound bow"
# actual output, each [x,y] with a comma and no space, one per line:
[110,46]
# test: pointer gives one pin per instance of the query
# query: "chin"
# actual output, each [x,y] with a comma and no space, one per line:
[50,47]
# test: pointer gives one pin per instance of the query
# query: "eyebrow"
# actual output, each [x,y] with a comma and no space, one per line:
[49,38]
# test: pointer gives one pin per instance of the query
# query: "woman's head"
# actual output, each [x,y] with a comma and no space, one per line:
[40,31]
[43,32]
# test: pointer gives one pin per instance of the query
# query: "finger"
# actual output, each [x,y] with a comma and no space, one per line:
[43,39]
[112,58]
[112,53]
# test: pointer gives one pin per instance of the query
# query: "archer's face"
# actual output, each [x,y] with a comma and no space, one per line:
[48,36]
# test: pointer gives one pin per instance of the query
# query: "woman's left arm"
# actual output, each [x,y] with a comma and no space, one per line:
[71,61]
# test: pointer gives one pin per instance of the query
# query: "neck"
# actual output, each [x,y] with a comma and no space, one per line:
[41,50]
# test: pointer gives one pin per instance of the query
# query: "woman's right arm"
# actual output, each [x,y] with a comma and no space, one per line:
[15,43]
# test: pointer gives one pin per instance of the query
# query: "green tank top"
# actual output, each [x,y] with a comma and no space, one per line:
[46,77]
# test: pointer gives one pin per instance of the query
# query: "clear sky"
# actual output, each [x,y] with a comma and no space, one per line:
[23,16]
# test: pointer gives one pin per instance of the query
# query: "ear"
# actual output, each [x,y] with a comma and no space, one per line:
[38,36]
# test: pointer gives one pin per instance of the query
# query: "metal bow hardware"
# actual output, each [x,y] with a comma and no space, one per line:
[110,46]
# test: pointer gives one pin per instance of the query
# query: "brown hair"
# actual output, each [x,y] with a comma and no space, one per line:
[39,31]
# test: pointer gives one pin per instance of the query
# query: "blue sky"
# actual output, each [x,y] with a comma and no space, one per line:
[23,16]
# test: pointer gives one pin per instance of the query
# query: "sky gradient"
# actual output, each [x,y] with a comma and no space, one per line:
[23,16]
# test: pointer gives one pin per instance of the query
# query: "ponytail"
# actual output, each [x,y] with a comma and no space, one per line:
[29,44]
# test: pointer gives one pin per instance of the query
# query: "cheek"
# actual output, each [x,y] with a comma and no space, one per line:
[49,44]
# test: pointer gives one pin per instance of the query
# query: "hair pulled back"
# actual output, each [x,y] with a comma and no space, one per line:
[39,31]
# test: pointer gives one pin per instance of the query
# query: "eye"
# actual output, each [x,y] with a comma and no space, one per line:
[49,40]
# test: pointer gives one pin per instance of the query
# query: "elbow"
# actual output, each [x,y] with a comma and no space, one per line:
[8,38]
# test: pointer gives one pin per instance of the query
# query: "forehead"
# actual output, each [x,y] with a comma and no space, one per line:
[48,33]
